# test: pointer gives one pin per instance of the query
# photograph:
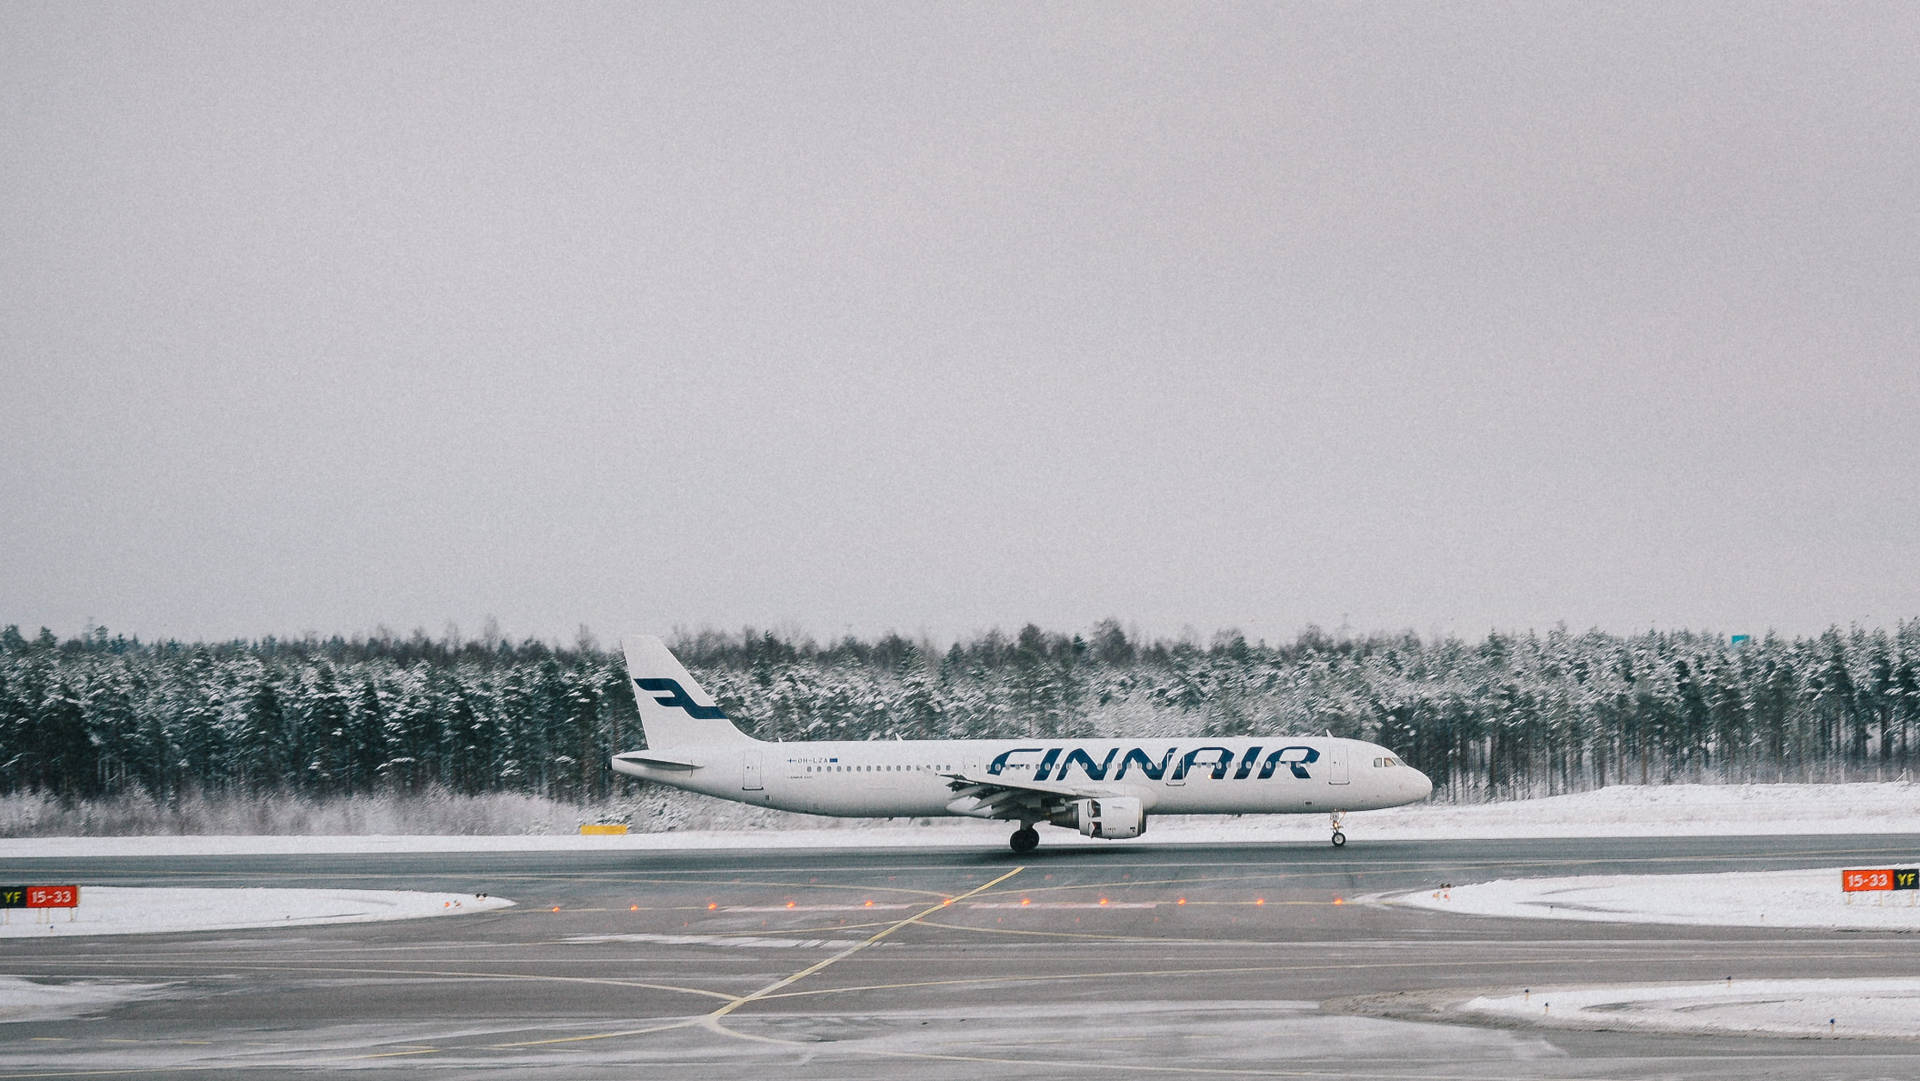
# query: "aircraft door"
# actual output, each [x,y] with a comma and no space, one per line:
[1337,765]
[751,782]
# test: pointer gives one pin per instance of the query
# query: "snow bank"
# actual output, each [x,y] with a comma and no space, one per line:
[1836,1008]
[117,910]
[1808,899]
[1746,899]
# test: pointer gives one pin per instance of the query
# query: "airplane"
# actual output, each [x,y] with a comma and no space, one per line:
[1102,788]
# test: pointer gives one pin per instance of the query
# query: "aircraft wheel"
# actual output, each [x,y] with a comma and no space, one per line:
[1339,839]
[1025,840]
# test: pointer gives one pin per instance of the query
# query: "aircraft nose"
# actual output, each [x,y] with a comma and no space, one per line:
[1423,786]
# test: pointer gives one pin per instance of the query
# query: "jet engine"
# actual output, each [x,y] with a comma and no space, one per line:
[1111,817]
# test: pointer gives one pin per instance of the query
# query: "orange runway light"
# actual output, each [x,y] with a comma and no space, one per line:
[1259,900]
[556,908]
[633,908]
[1339,901]
[1103,900]
[869,904]
[1026,900]
[789,904]
[711,905]
[1181,901]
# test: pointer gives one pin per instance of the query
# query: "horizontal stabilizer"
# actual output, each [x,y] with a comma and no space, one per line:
[655,761]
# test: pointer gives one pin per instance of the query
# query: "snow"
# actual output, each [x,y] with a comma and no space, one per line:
[121,910]
[22,999]
[1802,898]
[1681,810]
[1619,811]
[1836,1008]
[1781,899]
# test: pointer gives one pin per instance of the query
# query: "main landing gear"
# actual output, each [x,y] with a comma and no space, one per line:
[1339,839]
[1025,839]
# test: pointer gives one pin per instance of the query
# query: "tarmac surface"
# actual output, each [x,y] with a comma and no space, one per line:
[1131,960]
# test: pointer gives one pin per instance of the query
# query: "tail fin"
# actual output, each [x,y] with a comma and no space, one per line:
[674,710]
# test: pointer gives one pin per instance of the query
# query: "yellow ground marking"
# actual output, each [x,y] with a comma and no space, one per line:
[682,1023]
[712,1020]
[769,989]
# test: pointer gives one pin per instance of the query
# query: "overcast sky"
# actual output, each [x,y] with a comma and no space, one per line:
[934,318]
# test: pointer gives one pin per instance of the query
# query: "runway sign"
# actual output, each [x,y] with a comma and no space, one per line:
[1905,878]
[39,896]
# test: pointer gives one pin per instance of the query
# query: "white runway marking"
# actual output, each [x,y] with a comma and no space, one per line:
[1065,904]
[813,908]
[749,942]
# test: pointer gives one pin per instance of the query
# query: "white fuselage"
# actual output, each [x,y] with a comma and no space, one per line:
[917,778]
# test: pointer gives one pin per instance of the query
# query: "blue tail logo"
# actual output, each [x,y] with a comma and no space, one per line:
[676,697]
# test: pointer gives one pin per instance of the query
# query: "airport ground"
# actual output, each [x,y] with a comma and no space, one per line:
[1137,959]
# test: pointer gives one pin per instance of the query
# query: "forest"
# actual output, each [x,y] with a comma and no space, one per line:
[1507,716]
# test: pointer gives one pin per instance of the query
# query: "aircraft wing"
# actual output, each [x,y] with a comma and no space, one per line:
[1001,797]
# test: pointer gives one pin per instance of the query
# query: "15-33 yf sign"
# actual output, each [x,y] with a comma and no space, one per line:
[1901,878]
[39,896]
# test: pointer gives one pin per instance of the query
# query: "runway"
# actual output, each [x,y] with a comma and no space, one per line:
[1136,959]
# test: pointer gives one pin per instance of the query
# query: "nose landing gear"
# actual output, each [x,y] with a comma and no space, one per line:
[1339,839]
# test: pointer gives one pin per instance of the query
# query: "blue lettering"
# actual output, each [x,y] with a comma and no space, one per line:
[1298,762]
[1246,764]
[1154,771]
[676,697]
[1000,761]
[1096,771]
[1222,762]
[1053,753]
[1059,763]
